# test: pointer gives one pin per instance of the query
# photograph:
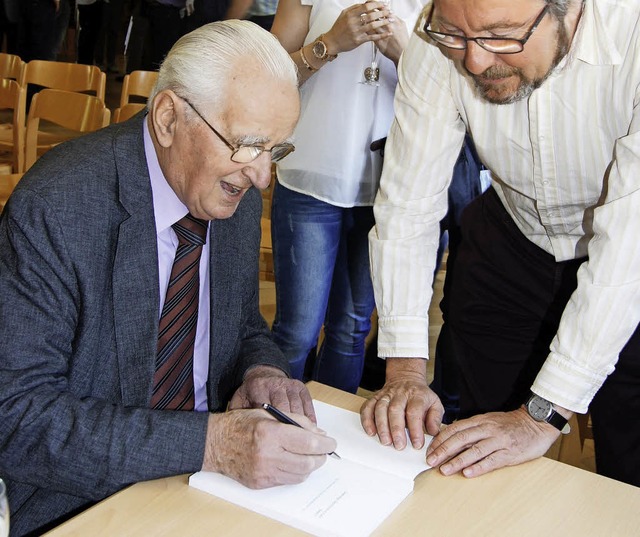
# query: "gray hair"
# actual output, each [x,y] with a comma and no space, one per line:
[559,8]
[200,64]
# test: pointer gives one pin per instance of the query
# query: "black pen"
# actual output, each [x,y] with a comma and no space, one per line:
[283,418]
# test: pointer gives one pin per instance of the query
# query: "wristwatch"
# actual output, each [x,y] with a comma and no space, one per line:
[320,50]
[542,410]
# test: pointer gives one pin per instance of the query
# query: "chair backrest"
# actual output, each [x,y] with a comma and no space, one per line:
[127,112]
[11,66]
[138,83]
[75,111]
[65,76]
[13,97]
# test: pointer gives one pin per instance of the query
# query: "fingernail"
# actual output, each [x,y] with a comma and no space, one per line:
[431,460]
[446,469]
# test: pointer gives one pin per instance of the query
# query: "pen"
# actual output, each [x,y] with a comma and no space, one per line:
[283,418]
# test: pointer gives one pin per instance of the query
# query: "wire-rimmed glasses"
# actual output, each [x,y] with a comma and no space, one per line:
[245,153]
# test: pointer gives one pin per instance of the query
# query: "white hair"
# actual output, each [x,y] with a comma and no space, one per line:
[201,63]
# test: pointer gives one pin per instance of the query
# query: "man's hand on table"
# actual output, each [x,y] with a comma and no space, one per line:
[266,384]
[486,442]
[404,402]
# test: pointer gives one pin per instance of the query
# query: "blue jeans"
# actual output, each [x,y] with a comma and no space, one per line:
[321,265]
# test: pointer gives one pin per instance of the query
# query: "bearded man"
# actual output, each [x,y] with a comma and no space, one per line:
[544,301]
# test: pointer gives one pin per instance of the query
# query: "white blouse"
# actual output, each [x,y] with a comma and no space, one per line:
[340,117]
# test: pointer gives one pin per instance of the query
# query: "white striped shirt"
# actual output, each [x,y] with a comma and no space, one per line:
[573,146]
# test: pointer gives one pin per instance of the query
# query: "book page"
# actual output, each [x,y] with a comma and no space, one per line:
[354,444]
[344,498]
[340,499]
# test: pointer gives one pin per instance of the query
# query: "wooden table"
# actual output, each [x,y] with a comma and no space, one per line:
[541,498]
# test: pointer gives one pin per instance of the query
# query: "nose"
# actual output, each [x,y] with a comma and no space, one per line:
[259,171]
[476,59]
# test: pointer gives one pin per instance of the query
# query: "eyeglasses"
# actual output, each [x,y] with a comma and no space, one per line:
[497,45]
[245,153]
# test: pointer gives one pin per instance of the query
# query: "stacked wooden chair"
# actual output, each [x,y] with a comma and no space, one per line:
[136,88]
[68,100]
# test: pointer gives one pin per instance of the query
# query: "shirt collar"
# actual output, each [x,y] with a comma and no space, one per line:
[593,42]
[167,207]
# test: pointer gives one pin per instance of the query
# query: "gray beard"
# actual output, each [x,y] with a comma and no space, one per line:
[527,85]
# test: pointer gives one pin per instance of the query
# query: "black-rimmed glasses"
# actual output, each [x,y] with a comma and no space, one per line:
[496,45]
[245,153]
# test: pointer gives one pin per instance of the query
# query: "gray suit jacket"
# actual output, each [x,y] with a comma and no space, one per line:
[78,329]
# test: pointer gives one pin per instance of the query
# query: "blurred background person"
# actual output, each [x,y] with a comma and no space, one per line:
[90,14]
[262,12]
[9,17]
[38,29]
[322,203]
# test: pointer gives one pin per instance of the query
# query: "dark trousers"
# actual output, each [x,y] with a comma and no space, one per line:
[90,18]
[8,28]
[502,309]
[37,30]
[165,28]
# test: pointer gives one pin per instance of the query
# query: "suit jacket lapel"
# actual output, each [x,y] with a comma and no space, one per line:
[135,274]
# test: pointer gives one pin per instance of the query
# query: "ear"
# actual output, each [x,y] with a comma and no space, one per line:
[164,115]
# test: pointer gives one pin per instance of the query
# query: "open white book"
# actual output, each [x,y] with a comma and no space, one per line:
[348,497]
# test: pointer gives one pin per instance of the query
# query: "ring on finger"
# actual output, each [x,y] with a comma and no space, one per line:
[385,399]
[363,18]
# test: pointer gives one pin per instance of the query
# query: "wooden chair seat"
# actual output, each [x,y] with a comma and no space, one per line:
[127,111]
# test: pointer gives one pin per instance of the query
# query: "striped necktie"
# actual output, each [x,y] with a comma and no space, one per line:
[173,378]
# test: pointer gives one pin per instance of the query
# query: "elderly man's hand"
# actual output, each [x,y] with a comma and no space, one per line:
[265,384]
[404,402]
[253,448]
[490,441]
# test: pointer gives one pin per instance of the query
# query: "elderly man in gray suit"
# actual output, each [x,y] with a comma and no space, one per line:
[89,402]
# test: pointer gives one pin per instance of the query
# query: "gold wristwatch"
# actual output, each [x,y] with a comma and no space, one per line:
[320,50]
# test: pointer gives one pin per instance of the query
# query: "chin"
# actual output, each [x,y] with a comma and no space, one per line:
[506,93]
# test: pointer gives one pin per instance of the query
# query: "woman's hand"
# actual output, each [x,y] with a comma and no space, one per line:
[359,24]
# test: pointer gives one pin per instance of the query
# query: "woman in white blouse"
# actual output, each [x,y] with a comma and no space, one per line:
[322,205]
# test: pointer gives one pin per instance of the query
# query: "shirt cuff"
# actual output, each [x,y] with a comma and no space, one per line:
[403,337]
[567,385]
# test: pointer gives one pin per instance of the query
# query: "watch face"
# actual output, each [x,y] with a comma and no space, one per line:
[319,50]
[539,408]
